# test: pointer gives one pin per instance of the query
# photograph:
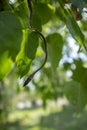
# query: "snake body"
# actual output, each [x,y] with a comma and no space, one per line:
[29,78]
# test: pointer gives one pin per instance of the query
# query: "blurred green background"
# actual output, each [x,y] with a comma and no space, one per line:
[23,109]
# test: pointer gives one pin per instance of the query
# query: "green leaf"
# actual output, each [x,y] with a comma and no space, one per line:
[32,44]
[5,64]
[76,94]
[22,60]
[80,71]
[71,90]
[73,27]
[10,33]
[36,22]
[23,64]
[22,12]
[55,44]
[71,23]
[60,14]
[44,12]
[27,52]
[4,5]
